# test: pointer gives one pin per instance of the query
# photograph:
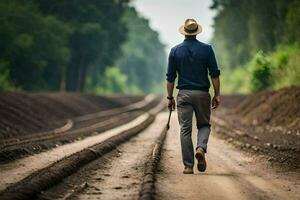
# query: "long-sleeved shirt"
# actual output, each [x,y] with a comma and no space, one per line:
[192,60]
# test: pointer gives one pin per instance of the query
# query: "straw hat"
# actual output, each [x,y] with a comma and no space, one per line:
[190,27]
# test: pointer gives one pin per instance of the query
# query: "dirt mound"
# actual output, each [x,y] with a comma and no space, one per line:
[231,101]
[23,112]
[265,123]
[276,108]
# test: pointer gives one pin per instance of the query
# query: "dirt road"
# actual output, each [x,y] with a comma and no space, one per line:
[117,175]
[230,175]
[120,172]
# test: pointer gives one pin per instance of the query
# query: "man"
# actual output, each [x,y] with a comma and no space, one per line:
[193,61]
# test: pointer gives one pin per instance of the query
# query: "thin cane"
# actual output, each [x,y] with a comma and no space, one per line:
[168,124]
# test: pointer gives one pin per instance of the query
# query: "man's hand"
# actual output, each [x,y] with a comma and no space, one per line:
[215,102]
[171,104]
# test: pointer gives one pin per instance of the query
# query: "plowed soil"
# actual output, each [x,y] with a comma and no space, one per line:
[277,108]
[24,113]
[265,165]
[117,175]
[266,124]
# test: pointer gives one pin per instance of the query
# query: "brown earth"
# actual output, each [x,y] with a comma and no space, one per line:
[276,108]
[117,175]
[22,113]
[261,124]
[266,123]
[231,174]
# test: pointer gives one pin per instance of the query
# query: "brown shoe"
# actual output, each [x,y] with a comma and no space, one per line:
[200,156]
[188,170]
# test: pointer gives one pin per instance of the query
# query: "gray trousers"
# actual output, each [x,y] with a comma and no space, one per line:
[188,102]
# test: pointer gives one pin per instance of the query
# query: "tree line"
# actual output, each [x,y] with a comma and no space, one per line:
[254,38]
[72,44]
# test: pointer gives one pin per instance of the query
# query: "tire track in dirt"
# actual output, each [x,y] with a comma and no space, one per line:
[16,172]
[117,175]
[87,125]
[23,113]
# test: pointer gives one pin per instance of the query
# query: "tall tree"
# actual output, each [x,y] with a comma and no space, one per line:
[144,57]
[97,34]
[231,31]
[31,44]
[244,27]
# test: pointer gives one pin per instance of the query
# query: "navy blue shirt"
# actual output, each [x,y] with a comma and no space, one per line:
[192,60]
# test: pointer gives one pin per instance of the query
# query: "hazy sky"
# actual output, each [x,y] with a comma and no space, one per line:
[167,15]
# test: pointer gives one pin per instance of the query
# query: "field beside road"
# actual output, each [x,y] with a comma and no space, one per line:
[74,146]
[266,124]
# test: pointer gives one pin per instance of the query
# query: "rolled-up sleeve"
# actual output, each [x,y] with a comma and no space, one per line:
[212,65]
[171,71]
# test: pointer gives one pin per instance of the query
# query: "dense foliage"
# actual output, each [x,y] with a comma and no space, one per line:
[250,35]
[70,44]
[144,59]
[33,49]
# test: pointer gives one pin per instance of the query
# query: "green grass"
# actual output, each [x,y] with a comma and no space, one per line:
[272,71]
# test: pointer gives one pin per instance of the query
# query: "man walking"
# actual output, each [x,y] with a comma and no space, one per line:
[193,61]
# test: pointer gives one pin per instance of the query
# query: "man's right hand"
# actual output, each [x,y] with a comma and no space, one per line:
[215,102]
[171,104]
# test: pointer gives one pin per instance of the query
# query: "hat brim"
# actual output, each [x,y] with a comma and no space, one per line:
[183,32]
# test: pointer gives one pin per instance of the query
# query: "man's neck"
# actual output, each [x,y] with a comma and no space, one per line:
[190,38]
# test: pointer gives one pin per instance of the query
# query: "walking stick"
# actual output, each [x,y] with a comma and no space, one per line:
[168,124]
